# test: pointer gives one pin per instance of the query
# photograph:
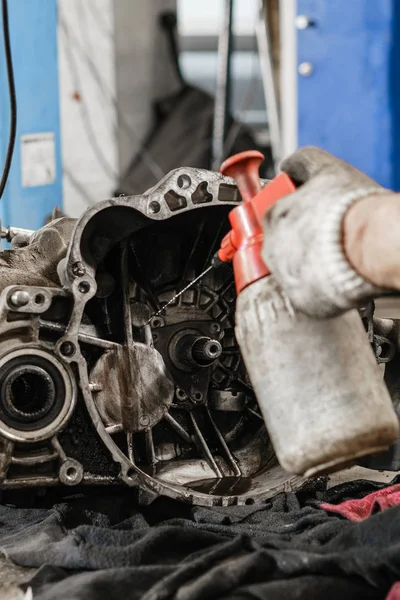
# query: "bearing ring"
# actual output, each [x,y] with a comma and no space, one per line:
[37,394]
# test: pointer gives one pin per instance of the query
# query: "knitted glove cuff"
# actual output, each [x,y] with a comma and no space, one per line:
[344,286]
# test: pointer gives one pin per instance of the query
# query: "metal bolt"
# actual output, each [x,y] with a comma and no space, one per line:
[157,322]
[67,349]
[78,269]
[95,387]
[305,69]
[20,298]
[71,472]
[303,22]
[144,421]
[205,351]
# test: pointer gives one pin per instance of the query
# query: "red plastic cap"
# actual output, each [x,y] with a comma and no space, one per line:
[243,168]
[243,244]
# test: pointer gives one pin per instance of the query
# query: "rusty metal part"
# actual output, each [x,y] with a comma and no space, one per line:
[201,438]
[9,233]
[141,412]
[163,405]
[126,376]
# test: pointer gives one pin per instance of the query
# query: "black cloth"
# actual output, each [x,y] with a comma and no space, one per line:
[106,547]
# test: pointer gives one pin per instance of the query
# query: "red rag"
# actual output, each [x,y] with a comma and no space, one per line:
[394,592]
[358,510]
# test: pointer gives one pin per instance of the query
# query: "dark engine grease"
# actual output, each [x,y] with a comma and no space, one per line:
[228,486]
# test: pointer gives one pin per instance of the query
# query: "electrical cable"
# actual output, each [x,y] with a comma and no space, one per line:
[13,98]
[248,97]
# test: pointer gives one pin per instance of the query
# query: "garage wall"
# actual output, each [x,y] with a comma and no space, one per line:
[112,63]
[142,71]
[87,95]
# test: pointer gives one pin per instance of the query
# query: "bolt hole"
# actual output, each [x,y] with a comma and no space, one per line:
[249,501]
[156,322]
[215,327]
[180,394]
[71,472]
[67,349]
[184,182]
[84,287]
[154,207]
[198,396]
[213,349]
[39,299]
[384,352]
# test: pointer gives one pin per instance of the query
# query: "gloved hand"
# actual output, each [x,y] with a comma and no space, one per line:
[304,235]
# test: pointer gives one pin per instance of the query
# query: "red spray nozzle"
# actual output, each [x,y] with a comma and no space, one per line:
[244,242]
[243,168]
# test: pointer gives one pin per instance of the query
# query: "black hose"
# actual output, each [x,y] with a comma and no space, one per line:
[13,99]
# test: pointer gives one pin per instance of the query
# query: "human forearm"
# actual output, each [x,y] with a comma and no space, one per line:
[371,239]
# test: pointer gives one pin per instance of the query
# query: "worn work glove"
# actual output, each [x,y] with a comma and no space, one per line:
[304,235]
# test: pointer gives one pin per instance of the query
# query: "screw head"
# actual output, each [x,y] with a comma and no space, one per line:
[156,322]
[71,472]
[67,349]
[305,69]
[19,299]
[303,22]
[78,269]
[144,421]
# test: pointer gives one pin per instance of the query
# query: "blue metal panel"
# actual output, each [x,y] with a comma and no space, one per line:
[350,104]
[33,32]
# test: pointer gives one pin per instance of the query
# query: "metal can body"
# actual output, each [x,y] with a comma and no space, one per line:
[317,382]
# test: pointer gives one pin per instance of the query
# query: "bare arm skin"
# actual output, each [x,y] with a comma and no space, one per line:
[371,238]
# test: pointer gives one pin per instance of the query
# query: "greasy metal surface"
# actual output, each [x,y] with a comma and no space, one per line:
[126,377]
[146,410]
[161,403]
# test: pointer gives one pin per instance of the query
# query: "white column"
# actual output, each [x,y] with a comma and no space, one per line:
[113,63]
[289,118]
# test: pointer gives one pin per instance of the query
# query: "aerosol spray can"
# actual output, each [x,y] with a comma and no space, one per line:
[316,380]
